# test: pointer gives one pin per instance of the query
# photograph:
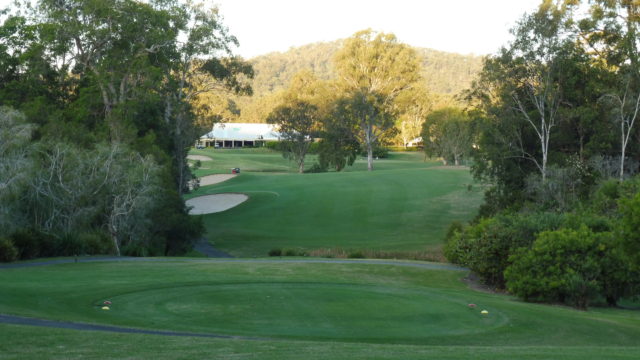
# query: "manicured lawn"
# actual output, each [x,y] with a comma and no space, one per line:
[314,310]
[405,205]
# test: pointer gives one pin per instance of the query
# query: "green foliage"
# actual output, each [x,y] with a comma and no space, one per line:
[569,266]
[374,69]
[447,133]
[31,244]
[486,247]
[275,252]
[630,226]
[8,251]
[111,128]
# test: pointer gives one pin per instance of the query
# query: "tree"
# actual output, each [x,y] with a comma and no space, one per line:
[16,165]
[528,114]
[373,69]
[413,105]
[298,116]
[611,32]
[339,144]
[447,133]
[533,62]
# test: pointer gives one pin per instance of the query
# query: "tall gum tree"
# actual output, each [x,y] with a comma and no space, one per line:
[373,69]
[525,87]
[299,113]
[610,31]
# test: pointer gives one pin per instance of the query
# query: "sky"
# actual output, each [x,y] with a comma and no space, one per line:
[463,26]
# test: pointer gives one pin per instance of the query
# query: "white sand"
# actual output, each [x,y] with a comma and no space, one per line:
[199,157]
[215,203]
[214,179]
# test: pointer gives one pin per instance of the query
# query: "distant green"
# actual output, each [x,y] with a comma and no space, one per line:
[405,204]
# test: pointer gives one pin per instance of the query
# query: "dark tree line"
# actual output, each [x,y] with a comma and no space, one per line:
[554,117]
[100,93]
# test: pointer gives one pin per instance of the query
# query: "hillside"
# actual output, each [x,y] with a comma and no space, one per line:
[445,74]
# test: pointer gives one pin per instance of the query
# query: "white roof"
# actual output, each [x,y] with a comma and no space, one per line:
[242,131]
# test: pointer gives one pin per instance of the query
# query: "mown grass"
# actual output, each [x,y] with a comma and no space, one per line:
[308,310]
[404,206]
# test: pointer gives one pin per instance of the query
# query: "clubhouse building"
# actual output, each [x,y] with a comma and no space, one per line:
[238,135]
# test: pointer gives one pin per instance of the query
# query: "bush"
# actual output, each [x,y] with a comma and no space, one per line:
[294,252]
[380,152]
[32,243]
[96,243]
[28,243]
[569,266]
[275,252]
[69,245]
[486,246]
[316,168]
[356,255]
[8,251]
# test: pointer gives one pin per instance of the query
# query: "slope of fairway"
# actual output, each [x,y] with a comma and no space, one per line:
[308,304]
[404,205]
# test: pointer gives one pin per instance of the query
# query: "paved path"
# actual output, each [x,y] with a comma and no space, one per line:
[204,246]
[20,320]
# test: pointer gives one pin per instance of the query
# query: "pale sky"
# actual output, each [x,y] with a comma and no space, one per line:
[463,26]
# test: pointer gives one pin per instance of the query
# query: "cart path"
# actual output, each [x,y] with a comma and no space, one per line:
[20,320]
[204,246]
[58,324]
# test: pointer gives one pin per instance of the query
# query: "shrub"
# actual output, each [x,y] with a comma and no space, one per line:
[380,152]
[569,266]
[275,252]
[32,243]
[486,246]
[356,255]
[8,251]
[69,245]
[28,243]
[316,168]
[95,243]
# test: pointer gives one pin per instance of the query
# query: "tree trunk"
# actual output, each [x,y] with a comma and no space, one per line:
[622,154]
[301,166]
[369,141]
[115,243]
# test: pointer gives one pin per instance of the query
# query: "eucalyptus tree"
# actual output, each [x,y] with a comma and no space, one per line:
[299,114]
[413,106]
[16,165]
[447,133]
[611,31]
[373,70]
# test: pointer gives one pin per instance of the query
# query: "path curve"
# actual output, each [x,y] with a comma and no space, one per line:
[21,320]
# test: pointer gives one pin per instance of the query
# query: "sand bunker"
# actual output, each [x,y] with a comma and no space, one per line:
[214,179]
[215,203]
[199,157]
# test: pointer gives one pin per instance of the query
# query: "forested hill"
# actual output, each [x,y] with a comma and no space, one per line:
[444,73]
